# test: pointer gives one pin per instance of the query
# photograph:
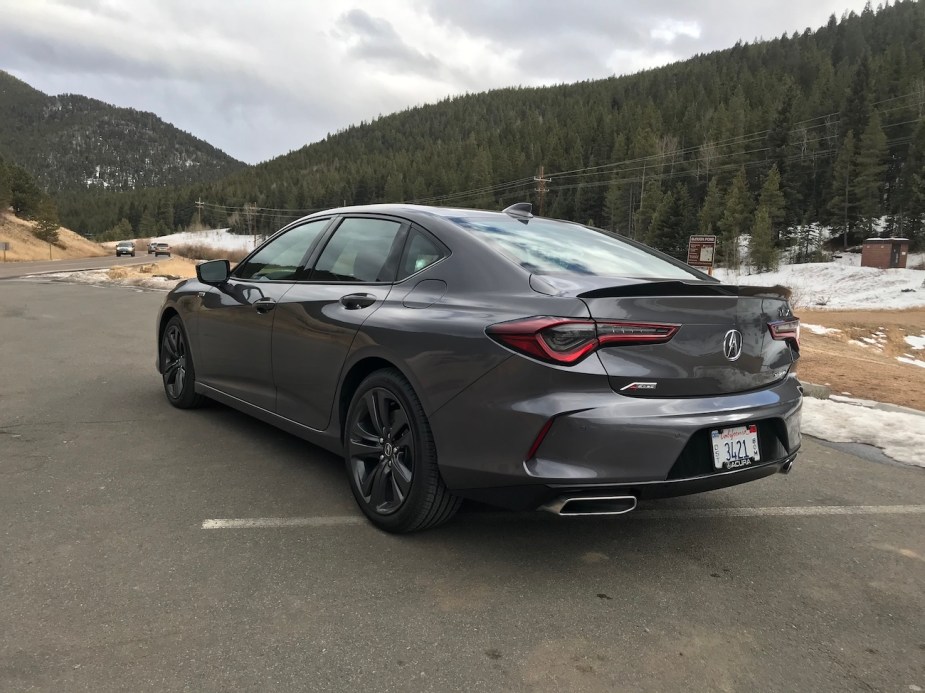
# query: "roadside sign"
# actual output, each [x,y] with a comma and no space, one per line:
[700,252]
[4,246]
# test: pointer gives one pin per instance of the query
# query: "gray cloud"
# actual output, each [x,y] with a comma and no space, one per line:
[260,79]
[376,40]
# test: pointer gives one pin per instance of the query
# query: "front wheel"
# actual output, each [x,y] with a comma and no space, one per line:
[391,457]
[176,366]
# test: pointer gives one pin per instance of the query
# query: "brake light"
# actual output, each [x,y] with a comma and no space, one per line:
[567,341]
[787,330]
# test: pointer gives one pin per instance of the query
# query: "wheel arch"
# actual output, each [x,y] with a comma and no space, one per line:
[355,375]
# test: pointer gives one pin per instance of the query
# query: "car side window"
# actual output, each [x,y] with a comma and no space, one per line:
[281,259]
[420,252]
[358,251]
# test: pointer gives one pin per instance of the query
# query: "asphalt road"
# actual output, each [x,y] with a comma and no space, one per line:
[109,582]
[21,269]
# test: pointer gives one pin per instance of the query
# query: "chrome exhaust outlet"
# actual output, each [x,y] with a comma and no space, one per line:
[576,506]
[788,465]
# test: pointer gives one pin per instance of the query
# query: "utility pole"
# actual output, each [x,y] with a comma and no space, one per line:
[199,211]
[541,188]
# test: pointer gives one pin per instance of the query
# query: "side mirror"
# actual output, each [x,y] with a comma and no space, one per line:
[213,272]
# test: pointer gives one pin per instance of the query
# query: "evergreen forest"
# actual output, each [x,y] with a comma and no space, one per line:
[771,140]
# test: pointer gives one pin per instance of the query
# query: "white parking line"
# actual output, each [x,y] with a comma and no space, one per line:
[666,514]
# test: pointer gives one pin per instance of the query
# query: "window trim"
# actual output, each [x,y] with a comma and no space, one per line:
[279,234]
[416,228]
[391,261]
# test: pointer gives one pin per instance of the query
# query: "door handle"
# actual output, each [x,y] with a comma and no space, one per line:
[264,305]
[356,301]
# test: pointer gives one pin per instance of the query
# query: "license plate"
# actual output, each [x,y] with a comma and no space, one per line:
[734,448]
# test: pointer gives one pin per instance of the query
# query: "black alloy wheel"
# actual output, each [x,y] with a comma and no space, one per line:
[176,366]
[381,449]
[391,458]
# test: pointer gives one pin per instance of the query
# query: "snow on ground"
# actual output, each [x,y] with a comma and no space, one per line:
[102,278]
[908,358]
[916,341]
[900,435]
[836,285]
[217,238]
[818,329]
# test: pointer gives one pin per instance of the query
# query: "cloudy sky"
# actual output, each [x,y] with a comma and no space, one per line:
[258,78]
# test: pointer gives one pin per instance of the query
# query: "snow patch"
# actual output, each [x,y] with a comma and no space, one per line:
[840,285]
[916,341]
[901,436]
[217,238]
[910,361]
[818,329]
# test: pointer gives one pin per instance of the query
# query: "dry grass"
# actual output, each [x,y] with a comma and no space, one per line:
[866,372]
[173,267]
[201,251]
[24,246]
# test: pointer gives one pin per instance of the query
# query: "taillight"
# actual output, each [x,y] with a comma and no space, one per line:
[787,330]
[567,341]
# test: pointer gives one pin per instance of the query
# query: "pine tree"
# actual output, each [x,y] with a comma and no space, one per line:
[772,199]
[735,220]
[843,203]
[761,250]
[712,210]
[871,165]
[47,223]
[674,222]
[651,199]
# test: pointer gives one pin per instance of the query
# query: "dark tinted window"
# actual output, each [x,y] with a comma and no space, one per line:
[549,247]
[420,252]
[281,259]
[358,252]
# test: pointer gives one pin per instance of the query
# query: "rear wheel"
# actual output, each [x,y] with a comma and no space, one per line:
[176,366]
[391,457]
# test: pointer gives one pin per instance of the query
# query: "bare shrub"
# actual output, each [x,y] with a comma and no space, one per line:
[202,251]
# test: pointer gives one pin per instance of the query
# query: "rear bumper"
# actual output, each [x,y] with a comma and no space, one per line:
[598,439]
[533,496]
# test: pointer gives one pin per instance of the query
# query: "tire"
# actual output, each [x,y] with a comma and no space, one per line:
[395,482]
[175,362]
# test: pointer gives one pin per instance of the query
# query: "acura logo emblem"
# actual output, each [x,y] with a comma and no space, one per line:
[732,345]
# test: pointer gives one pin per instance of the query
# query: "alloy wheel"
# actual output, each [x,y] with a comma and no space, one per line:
[380,446]
[173,361]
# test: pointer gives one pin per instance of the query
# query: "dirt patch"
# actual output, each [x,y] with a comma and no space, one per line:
[24,246]
[172,268]
[872,371]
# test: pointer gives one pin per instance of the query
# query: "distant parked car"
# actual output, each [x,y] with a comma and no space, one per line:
[160,249]
[125,248]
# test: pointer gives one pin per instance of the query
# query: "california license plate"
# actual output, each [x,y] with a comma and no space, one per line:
[734,448]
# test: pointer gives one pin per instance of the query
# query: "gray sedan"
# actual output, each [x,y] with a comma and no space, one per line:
[519,361]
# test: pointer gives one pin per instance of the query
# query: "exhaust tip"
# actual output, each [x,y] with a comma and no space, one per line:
[576,506]
[787,466]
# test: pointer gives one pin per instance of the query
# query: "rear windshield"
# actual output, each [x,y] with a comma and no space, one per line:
[542,246]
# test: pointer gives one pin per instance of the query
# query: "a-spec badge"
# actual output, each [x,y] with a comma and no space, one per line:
[639,386]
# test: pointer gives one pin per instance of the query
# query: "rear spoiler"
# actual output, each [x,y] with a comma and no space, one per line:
[620,288]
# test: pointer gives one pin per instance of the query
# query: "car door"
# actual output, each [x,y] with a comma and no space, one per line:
[317,320]
[236,319]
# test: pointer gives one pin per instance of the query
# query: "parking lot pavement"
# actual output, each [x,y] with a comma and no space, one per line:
[109,580]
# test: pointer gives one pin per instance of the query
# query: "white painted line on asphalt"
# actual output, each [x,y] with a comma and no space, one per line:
[666,514]
[263,522]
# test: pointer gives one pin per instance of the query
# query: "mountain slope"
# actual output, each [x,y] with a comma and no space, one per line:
[636,153]
[72,142]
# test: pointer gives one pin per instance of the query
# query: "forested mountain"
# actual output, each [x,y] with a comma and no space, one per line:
[823,126]
[72,142]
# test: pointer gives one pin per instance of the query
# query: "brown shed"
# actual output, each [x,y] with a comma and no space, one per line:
[885,253]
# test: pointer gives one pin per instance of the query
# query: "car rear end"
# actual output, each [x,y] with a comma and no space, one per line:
[663,385]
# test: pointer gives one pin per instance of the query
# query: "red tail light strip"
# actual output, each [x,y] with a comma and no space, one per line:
[787,330]
[567,341]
